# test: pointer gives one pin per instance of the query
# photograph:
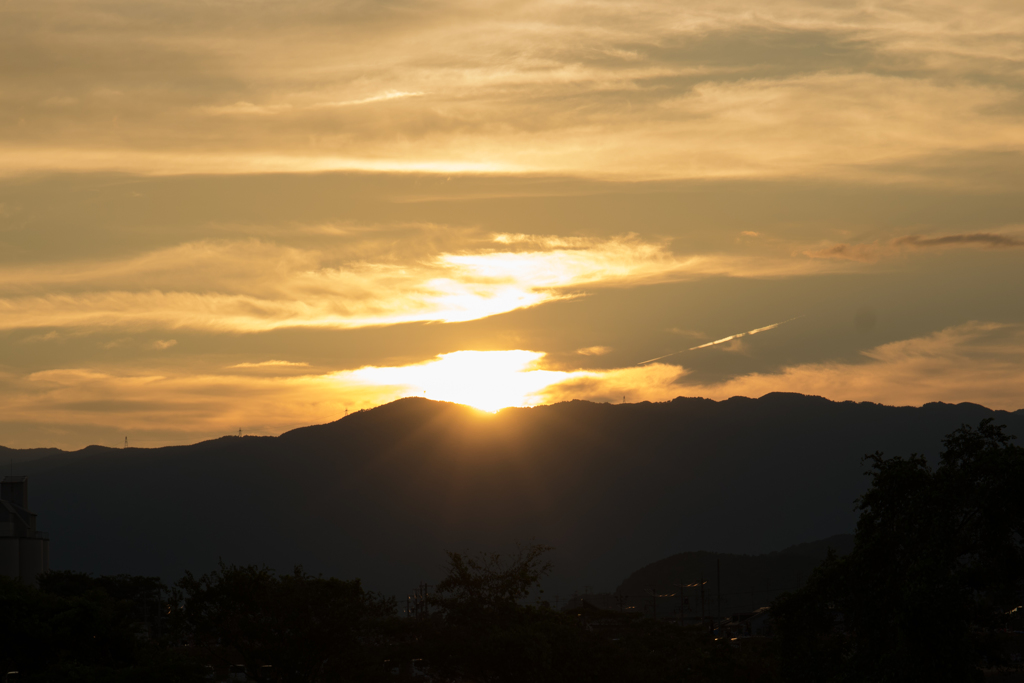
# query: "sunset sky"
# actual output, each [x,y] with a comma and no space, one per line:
[257,215]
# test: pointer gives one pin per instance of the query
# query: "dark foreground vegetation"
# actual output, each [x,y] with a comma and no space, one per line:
[934,586]
[930,592]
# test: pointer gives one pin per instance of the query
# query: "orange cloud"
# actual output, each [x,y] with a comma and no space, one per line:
[976,362]
[256,286]
[594,350]
[203,405]
[586,88]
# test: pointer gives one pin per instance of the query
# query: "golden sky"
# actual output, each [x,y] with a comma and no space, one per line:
[256,215]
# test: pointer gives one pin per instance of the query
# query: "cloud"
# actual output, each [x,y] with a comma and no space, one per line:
[872,252]
[49,336]
[705,89]
[975,362]
[205,404]
[256,286]
[383,97]
[985,239]
[594,350]
[656,382]
[731,337]
[735,346]
[243,108]
[270,364]
[161,344]
[117,343]
[864,253]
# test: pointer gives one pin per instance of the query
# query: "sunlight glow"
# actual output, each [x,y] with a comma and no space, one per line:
[488,380]
[228,288]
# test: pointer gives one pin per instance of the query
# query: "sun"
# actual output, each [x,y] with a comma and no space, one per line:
[487,380]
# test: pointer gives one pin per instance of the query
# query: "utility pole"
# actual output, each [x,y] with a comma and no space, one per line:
[422,595]
[126,442]
[682,603]
[702,599]
[718,587]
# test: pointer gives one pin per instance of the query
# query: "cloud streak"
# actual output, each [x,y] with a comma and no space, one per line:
[723,340]
[875,251]
[749,333]
[985,239]
[270,364]
[257,286]
[705,89]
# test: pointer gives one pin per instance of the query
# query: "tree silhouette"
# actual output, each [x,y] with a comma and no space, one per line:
[482,630]
[938,562]
[306,627]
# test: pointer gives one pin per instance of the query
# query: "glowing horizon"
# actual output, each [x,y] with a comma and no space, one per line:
[213,219]
[487,380]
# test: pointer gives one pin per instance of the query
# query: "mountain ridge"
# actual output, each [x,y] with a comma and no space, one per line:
[382,493]
[42,451]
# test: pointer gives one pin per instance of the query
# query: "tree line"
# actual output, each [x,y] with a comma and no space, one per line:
[931,592]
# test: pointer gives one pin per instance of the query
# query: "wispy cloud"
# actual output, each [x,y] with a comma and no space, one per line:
[271,364]
[870,252]
[383,97]
[723,340]
[33,338]
[975,362]
[985,239]
[243,108]
[246,108]
[863,253]
[709,89]
[740,334]
[256,286]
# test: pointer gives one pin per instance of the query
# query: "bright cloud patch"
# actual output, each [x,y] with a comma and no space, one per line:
[258,286]
[978,362]
[208,405]
[489,380]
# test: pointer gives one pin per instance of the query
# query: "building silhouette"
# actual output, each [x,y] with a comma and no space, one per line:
[24,552]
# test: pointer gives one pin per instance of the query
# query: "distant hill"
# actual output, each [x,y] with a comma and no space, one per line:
[382,493]
[747,581]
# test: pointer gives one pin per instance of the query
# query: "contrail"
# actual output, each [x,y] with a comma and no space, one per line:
[723,340]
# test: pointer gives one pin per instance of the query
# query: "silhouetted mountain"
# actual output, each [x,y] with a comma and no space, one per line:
[381,493]
[747,581]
